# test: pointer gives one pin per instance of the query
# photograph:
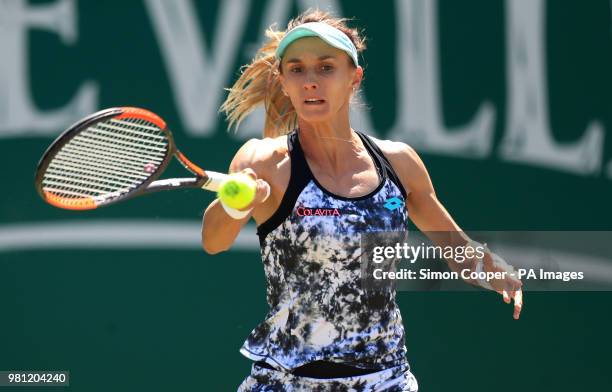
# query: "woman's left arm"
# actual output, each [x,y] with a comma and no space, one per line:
[430,216]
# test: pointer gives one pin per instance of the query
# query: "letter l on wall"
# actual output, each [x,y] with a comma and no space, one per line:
[419,110]
[528,137]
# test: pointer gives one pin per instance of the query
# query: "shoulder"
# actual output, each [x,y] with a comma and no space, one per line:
[261,154]
[390,147]
[398,153]
[406,162]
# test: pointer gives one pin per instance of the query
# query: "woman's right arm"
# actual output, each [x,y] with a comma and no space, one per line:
[219,230]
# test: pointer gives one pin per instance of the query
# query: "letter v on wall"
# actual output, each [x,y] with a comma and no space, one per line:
[198,73]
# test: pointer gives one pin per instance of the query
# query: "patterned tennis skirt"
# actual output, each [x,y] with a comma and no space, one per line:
[395,379]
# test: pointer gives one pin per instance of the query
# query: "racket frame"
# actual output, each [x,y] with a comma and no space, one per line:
[151,184]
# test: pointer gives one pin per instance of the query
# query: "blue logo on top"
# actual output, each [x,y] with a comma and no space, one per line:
[393,203]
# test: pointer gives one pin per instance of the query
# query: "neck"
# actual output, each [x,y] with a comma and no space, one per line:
[329,145]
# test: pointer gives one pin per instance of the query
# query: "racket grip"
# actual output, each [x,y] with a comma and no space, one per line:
[215,179]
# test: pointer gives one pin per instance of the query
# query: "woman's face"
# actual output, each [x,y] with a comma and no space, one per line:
[318,78]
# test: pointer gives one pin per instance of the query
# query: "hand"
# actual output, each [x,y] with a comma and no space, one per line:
[262,191]
[510,287]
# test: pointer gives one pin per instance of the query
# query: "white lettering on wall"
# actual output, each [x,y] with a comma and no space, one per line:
[528,138]
[274,13]
[19,115]
[198,74]
[359,115]
[610,162]
[419,109]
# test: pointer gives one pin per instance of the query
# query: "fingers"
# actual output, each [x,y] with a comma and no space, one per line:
[262,190]
[506,296]
[510,287]
[249,172]
[518,303]
[517,294]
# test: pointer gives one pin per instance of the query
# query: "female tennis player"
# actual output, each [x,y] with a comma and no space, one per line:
[329,183]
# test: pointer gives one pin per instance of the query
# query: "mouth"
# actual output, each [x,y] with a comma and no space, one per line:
[314,101]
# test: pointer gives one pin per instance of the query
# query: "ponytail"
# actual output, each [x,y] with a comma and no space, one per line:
[259,84]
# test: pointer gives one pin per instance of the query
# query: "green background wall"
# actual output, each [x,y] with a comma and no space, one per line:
[165,318]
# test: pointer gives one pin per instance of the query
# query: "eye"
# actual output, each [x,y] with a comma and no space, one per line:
[327,68]
[295,70]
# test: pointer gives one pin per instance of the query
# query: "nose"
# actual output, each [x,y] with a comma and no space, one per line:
[310,82]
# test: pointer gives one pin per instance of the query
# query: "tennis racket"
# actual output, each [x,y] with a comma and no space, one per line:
[116,154]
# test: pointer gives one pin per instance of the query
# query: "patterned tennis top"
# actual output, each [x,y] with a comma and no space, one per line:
[310,249]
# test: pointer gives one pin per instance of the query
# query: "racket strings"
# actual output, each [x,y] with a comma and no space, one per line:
[109,158]
[118,142]
[84,154]
[84,147]
[93,167]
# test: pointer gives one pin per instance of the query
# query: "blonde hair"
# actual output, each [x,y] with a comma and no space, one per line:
[259,81]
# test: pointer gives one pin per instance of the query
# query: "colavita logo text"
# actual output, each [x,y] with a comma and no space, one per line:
[305,211]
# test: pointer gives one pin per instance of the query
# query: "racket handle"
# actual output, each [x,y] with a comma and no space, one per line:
[215,179]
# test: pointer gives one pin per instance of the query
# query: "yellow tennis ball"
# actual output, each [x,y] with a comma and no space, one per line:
[237,191]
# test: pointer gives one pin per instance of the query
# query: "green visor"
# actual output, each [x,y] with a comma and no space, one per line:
[327,33]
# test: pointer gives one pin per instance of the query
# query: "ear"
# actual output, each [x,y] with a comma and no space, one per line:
[357,78]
